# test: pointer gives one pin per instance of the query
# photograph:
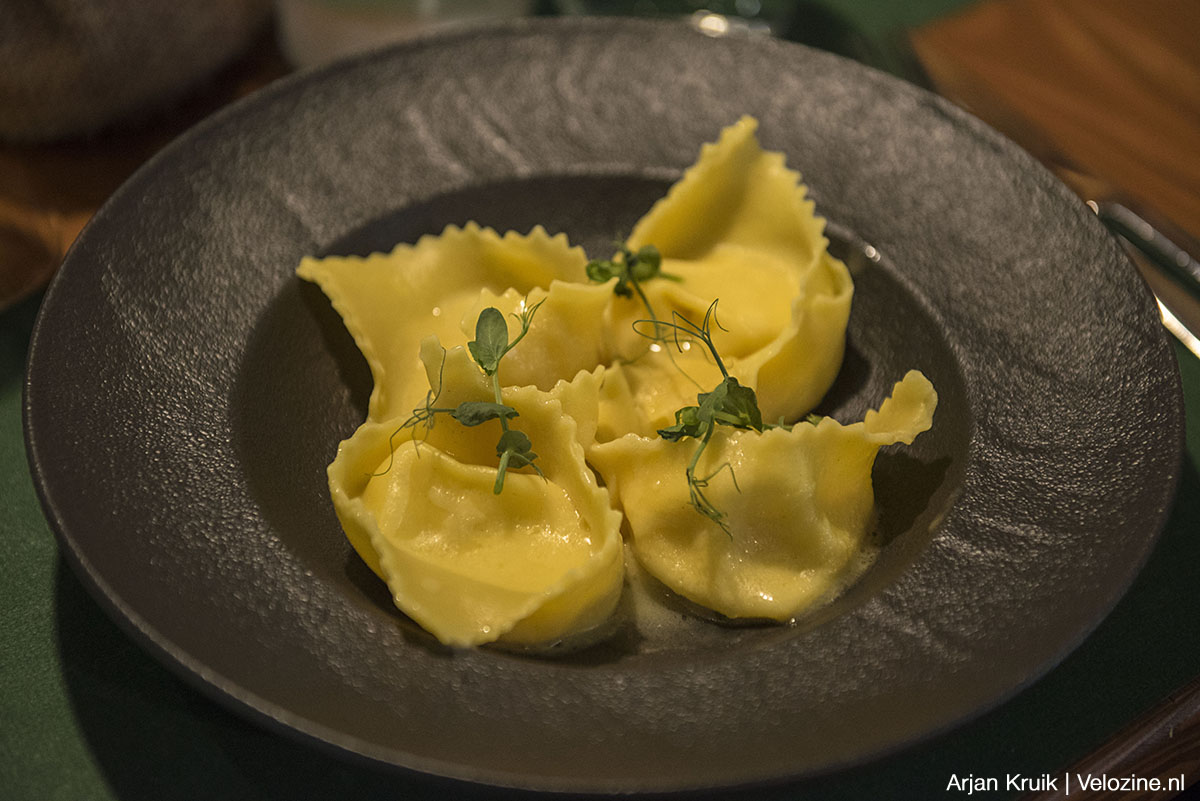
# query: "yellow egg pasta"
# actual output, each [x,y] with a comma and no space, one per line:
[532,564]
[389,302]
[568,337]
[798,502]
[510,372]
[738,227]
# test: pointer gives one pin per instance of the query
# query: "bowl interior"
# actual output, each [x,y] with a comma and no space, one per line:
[303,373]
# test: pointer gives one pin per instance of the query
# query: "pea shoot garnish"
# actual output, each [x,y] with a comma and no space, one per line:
[487,349]
[728,404]
[631,269]
[514,448]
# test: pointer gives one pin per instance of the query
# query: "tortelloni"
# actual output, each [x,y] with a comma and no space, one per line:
[389,302]
[798,504]
[533,564]
[476,548]
[738,228]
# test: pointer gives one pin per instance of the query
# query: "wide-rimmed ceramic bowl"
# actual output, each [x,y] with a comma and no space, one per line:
[186,391]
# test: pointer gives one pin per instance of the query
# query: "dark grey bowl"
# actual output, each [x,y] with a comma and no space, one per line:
[186,391]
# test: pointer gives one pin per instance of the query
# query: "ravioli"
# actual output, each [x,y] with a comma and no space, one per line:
[390,302]
[797,515]
[739,228]
[533,564]
[592,380]
[569,335]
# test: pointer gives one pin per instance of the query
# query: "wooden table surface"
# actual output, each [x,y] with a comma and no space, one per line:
[1106,88]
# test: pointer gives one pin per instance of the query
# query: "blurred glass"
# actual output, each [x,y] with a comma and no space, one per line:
[764,15]
[868,31]
[313,32]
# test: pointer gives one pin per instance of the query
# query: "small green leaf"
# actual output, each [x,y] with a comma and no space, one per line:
[514,442]
[645,264]
[523,459]
[711,403]
[629,269]
[473,413]
[491,340]
[687,424]
[716,396]
[675,433]
[602,270]
[516,451]
[740,407]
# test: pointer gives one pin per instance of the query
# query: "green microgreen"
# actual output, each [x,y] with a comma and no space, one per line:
[490,345]
[473,413]
[424,415]
[728,404]
[491,340]
[631,269]
[689,330]
[515,451]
